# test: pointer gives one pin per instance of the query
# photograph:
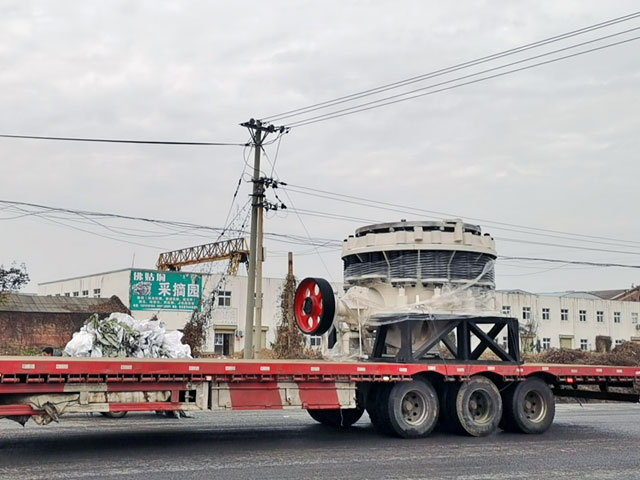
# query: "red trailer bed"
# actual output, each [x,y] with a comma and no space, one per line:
[47,387]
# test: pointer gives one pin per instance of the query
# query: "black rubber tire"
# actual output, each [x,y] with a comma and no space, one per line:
[380,410]
[447,395]
[339,417]
[412,409]
[528,407]
[114,414]
[478,407]
[371,404]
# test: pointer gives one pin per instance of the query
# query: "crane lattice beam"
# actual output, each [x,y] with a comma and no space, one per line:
[235,250]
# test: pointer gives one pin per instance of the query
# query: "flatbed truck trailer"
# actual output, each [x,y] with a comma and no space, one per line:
[401,399]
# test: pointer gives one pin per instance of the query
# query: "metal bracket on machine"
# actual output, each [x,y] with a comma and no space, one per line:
[468,333]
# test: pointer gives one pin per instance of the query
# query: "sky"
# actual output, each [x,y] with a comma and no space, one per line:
[548,149]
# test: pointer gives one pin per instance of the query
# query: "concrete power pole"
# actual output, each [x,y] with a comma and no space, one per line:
[257,340]
[254,285]
[251,274]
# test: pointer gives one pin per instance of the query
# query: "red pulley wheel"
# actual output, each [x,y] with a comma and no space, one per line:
[314,306]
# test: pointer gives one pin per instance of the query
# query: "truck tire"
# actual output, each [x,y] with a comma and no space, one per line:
[529,407]
[412,409]
[372,404]
[339,417]
[113,414]
[378,411]
[447,395]
[478,407]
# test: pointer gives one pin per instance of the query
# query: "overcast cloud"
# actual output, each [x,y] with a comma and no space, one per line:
[553,147]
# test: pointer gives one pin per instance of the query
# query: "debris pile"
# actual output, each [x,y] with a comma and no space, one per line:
[120,335]
[627,354]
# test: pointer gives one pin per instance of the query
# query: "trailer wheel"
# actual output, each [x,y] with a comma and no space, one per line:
[372,404]
[377,408]
[113,414]
[412,409]
[529,407]
[338,417]
[447,395]
[478,407]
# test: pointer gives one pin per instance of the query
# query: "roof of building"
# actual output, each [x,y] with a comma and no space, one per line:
[96,275]
[21,302]
[516,291]
[609,294]
[571,294]
[140,270]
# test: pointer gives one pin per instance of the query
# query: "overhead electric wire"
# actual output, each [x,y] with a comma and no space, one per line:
[502,239]
[467,64]
[304,227]
[571,262]
[356,200]
[109,140]
[396,98]
[45,211]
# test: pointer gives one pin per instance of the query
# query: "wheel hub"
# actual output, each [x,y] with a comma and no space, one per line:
[414,408]
[534,407]
[479,407]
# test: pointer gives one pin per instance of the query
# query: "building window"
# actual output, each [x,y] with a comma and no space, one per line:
[224,299]
[76,294]
[583,344]
[96,293]
[546,314]
[526,313]
[222,343]
[634,317]
[67,294]
[619,342]
[546,343]
[599,317]
[506,310]
[85,293]
[315,341]
[582,315]
[564,315]
[617,317]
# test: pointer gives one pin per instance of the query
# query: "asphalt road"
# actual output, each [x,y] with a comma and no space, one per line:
[590,442]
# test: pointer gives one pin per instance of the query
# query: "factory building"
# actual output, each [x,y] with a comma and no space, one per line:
[549,320]
[173,296]
[573,320]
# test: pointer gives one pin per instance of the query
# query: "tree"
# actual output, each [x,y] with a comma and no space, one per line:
[13,279]
[289,341]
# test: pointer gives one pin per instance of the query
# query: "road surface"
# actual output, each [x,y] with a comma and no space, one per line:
[591,442]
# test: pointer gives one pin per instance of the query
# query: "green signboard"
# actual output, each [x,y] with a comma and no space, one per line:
[165,291]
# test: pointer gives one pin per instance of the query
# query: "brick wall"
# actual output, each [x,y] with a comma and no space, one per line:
[37,330]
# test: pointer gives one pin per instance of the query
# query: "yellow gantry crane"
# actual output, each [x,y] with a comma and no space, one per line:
[235,250]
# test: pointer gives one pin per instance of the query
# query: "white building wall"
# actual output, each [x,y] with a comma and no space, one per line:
[228,320]
[554,328]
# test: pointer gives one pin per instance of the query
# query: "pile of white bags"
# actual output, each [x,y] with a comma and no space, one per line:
[120,335]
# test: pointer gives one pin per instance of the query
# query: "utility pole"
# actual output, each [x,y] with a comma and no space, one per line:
[257,340]
[254,296]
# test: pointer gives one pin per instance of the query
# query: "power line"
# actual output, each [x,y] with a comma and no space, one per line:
[273,170]
[569,262]
[45,212]
[460,66]
[356,200]
[395,98]
[107,140]
[501,239]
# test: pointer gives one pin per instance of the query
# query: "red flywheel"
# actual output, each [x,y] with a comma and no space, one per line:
[314,306]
